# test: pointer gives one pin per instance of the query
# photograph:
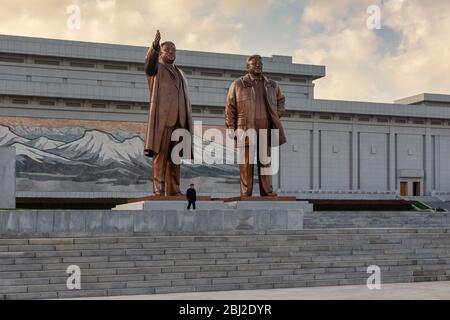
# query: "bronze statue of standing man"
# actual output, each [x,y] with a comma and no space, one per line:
[255,102]
[170,109]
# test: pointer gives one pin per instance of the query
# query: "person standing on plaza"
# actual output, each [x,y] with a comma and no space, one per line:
[191,196]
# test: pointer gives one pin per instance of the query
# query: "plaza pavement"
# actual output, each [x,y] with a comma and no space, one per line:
[397,291]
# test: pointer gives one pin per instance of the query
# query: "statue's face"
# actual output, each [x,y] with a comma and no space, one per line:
[168,53]
[255,67]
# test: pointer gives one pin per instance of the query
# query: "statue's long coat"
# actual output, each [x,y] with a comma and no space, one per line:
[161,101]
[240,106]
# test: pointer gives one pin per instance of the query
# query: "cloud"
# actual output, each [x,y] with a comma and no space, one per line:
[125,22]
[248,7]
[358,67]
[411,54]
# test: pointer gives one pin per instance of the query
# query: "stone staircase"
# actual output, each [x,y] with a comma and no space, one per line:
[134,264]
[423,198]
[379,219]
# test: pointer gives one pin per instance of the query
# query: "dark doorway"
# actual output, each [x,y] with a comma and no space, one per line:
[416,189]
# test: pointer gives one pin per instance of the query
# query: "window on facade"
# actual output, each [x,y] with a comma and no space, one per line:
[275,78]
[47,103]
[11,59]
[98,105]
[47,62]
[210,74]
[216,111]
[79,64]
[73,104]
[115,67]
[19,101]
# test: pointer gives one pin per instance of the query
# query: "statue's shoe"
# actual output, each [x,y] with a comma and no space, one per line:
[148,153]
[177,194]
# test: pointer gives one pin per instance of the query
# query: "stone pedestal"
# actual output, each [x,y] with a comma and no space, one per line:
[205,203]
[215,215]
[7,178]
[62,223]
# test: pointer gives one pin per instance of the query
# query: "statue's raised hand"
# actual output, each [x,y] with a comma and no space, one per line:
[157,40]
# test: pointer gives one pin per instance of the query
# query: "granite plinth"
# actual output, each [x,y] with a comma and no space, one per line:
[167,198]
[253,198]
[250,203]
[95,222]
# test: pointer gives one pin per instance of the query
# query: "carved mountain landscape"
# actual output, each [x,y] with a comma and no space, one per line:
[79,159]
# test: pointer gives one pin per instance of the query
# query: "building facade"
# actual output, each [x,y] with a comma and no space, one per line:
[76,113]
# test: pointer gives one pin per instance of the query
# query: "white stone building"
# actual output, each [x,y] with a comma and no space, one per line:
[339,149]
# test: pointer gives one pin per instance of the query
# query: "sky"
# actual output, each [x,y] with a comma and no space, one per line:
[406,53]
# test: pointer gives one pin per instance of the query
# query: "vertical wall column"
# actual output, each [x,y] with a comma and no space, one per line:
[355,158]
[437,163]
[392,162]
[316,155]
[428,154]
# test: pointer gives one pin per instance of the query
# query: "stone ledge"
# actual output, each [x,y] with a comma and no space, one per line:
[47,222]
[248,204]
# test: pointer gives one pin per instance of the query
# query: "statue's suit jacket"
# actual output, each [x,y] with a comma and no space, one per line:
[163,101]
[240,106]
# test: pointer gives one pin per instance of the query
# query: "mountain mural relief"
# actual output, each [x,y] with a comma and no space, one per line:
[102,149]
[7,137]
[44,143]
[74,159]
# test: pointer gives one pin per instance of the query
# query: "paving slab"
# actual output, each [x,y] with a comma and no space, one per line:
[392,291]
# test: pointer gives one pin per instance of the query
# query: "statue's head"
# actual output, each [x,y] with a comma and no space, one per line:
[168,52]
[255,65]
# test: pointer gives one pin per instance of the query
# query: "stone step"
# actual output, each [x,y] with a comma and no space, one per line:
[182,285]
[60,278]
[50,259]
[238,242]
[109,237]
[283,257]
[354,247]
[268,266]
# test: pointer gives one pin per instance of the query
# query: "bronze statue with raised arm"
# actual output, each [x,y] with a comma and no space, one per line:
[170,109]
[255,102]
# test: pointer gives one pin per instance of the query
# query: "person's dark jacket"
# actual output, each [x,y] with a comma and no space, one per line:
[191,195]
